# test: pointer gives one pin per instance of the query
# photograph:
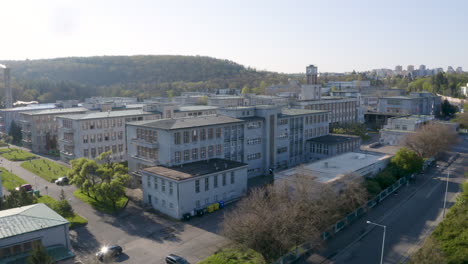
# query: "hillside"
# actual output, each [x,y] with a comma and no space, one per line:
[143,76]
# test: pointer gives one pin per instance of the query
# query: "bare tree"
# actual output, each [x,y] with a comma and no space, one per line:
[431,139]
[274,219]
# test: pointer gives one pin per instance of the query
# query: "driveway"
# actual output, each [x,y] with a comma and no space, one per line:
[144,236]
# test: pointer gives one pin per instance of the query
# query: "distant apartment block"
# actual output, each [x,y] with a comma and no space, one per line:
[88,135]
[332,145]
[181,190]
[398,128]
[108,103]
[227,101]
[40,129]
[356,84]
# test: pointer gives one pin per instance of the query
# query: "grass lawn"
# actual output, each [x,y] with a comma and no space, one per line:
[234,256]
[101,206]
[15,154]
[46,169]
[75,220]
[10,181]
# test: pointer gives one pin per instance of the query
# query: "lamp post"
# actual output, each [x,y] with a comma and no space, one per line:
[35,182]
[446,190]
[383,240]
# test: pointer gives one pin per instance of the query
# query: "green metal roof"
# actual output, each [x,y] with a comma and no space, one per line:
[27,219]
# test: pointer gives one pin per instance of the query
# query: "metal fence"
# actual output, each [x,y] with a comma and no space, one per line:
[307,248]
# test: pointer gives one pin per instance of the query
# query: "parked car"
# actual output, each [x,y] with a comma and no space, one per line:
[62,181]
[174,259]
[109,252]
[24,187]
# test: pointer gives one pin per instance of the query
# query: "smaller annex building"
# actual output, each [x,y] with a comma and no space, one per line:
[23,227]
[182,190]
[331,169]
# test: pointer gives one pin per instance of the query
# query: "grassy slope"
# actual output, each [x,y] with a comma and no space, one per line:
[46,169]
[14,154]
[101,206]
[10,180]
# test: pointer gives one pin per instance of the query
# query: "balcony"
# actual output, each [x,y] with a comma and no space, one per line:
[147,161]
[66,142]
[141,142]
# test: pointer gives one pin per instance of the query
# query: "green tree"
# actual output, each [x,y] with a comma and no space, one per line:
[39,255]
[408,160]
[83,173]
[246,90]
[16,133]
[447,109]
[17,199]
[62,206]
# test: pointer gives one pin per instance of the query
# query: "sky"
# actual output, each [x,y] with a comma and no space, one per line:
[282,36]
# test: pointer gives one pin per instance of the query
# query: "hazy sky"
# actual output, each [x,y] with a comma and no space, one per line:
[273,35]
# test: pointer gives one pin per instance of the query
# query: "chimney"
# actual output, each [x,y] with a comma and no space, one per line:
[8,93]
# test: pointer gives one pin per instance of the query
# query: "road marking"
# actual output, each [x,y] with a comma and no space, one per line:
[433,189]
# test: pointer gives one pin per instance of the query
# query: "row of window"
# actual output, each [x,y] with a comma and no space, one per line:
[254,141]
[147,135]
[102,137]
[207,200]
[160,184]
[145,152]
[104,123]
[215,185]
[282,150]
[254,156]
[316,119]
[97,151]
[316,131]
[193,153]
[163,202]
[196,135]
[255,124]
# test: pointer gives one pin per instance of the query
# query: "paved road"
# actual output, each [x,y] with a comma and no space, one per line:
[410,216]
[145,237]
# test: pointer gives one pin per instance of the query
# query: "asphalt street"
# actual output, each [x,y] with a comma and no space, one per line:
[409,216]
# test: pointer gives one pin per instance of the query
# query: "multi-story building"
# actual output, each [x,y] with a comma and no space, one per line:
[88,135]
[332,145]
[342,109]
[264,137]
[182,190]
[398,128]
[40,130]
[14,114]
[417,103]
[108,103]
[227,101]
[356,84]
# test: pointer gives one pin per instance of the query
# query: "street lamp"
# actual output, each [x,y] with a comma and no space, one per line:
[446,190]
[383,240]
[35,182]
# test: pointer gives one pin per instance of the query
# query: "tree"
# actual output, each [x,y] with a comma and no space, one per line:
[39,255]
[274,219]
[83,173]
[17,199]
[408,160]
[16,133]
[462,119]
[430,253]
[246,90]
[62,206]
[431,139]
[447,109]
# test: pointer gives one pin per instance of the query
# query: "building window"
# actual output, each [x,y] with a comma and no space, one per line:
[215,181]
[186,155]
[254,156]
[194,154]
[85,139]
[207,183]
[232,178]
[218,132]
[202,134]
[210,133]
[186,136]
[148,181]
[156,200]
[85,152]
[224,179]
[202,152]
[210,151]
[215,198]
[156,183]
[171,190]
[194,136]
[282,150]
[177,138]
[163,185]
[171,205]
[163,203]
[197,186]
[218,149]
[177,156]
[207,201]
[197,204]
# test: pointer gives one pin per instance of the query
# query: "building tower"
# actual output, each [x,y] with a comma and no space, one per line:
[8,93]
[311,73]
[410,68]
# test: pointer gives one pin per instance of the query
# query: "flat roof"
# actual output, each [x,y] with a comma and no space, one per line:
[27,219]
[195,169]
[333,138]
[120,113]
[400,97]
[55,111]
[187,122]
[296,111]
[188,108]
[329,169]
[31,107]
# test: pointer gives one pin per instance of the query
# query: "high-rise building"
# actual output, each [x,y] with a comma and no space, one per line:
[450,69]
[398,69]
[422,67]
[410,68]
[459,69]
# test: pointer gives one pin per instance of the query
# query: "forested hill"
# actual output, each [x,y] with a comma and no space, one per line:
[48,80]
